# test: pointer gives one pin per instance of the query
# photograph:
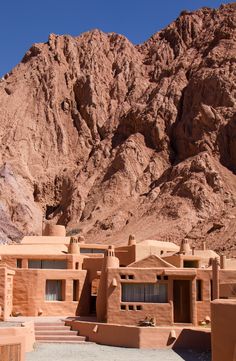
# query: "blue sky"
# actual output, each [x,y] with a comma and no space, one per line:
[24,22]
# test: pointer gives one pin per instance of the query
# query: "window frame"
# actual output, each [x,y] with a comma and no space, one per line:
[145,293]
[61,296]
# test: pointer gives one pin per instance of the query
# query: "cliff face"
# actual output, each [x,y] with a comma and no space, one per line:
[110,138]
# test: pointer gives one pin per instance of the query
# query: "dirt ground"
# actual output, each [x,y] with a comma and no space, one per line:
[91,352]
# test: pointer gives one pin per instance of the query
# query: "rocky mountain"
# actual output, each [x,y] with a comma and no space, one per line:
[110,138]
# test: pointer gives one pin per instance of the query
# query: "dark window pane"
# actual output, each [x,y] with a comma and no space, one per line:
[144,292]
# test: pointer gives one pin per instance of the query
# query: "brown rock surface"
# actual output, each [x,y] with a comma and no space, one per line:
[110,138]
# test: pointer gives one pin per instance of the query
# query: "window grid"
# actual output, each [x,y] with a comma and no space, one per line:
[145,292]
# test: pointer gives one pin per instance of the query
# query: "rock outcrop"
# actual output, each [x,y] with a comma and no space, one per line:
[110,139]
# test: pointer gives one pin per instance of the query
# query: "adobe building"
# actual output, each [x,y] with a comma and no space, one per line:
[6,290]
[158,282]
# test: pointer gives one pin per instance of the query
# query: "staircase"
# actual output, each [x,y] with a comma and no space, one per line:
[56,332]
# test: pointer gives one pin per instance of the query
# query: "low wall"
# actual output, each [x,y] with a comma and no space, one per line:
[25,332]
[143,337]
[223,313]
[105,334]
[12,348]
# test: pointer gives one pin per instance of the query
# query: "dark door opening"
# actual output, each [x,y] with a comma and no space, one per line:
[182,301]
[93,296]
[92,310]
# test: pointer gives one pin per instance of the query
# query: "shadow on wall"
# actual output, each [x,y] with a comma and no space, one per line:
[193,339]
[190,355]
[191,345]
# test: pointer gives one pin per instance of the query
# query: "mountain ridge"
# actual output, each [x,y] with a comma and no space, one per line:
[112,138]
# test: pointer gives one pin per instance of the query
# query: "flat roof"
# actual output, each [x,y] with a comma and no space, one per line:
[180,271]
[160,244]
[55,240]
[29,250]
[45,240]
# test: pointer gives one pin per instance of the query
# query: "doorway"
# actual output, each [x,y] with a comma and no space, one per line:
[181,300]
[93,296]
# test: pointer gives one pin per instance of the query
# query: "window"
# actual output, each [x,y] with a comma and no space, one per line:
[47,264]
[199,290]
[92,250]
[54,290]
[19,263]
[75,290]
[131,307]
[123,307]
[144,292]
[158,277]
[211,290]
[139,308]
[165,278]
[190,264]
[127,277]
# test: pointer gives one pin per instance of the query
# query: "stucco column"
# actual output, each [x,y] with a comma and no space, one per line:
[170,298]
[109,261]
[215,279]
[194,303]
[24,263]
[222,261]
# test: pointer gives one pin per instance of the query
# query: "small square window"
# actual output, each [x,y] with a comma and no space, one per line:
[123,277]
[123,307]
[159,277]
[165,278]
[19,263]
[130,277]
[131,307]
[139,308]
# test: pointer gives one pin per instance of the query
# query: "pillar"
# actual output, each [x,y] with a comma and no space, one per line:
[215,279]
[185,247]
[109,261]
[222,261]
[74,247]
[132,240]
[194,303]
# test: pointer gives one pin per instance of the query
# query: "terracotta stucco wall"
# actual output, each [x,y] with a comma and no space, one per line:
[2,291]
[71,259]
[223,330]
[29,292]
[6,292]
[203,306]
[126,254]
[162,312]
[26,332]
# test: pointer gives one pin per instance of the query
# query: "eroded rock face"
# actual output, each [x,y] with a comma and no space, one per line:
[110,138]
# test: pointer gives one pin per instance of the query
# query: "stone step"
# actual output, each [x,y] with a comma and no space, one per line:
[56,324]
[51,328]
[55,332]
[67,342]
[57,338]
